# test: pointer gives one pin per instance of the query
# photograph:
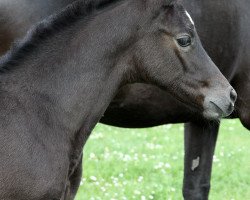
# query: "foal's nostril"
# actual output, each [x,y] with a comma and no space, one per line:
[231,107]
[233,95]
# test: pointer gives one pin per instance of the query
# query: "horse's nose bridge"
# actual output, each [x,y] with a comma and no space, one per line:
[223,89]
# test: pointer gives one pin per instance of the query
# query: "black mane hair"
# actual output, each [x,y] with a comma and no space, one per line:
[79,9]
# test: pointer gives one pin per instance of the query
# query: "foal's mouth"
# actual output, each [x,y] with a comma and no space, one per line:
[219,110]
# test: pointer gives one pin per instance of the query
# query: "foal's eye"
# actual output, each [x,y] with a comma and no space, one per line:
[184,41]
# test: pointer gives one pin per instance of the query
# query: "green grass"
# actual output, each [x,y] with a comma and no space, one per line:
[144,164]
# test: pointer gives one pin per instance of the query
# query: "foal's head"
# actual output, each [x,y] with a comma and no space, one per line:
[169,54]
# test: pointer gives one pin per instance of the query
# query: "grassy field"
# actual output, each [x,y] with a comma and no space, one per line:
[145,164]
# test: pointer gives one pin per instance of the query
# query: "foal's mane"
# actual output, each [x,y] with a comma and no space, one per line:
[79,9]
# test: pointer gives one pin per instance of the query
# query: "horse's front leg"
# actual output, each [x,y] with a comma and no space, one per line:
[73,182]
[200,141]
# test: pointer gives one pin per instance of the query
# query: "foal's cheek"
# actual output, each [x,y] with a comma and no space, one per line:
[175,55]
[168,45]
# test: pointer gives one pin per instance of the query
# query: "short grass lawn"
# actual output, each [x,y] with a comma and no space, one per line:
[145,164]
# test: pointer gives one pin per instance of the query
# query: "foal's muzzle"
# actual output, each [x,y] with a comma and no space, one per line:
[220,105]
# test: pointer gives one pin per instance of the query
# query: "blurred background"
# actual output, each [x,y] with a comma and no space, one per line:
[145,164]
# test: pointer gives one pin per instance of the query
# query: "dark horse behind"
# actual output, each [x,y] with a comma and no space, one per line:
[58,81]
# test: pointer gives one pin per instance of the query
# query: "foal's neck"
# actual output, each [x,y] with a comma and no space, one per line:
[78,70]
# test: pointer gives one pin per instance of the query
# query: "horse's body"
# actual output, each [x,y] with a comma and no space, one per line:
[223,27]
[58,81]
[139,105]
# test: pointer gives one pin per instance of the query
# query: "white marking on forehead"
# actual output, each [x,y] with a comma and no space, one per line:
[189,17]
